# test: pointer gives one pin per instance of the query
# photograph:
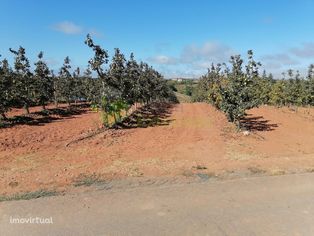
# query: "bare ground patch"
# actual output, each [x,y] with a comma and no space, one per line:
[178,140]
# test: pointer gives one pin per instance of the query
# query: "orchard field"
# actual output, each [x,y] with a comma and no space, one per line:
[122,119]
[186,139]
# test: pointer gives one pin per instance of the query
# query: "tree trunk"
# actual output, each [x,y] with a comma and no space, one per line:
[238,124]
[3,116]
[118,117]
[115,118]
[26,108]
[55,99]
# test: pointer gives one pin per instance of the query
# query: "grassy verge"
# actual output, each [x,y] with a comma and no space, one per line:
[183,98]
[28,195]
[87,180]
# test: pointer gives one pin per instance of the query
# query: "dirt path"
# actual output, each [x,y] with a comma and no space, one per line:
[277,205]
[192,135]
[187,139]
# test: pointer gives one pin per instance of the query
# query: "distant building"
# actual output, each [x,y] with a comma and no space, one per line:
[177,79]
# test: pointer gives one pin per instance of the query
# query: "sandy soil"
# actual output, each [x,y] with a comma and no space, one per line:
[177,140]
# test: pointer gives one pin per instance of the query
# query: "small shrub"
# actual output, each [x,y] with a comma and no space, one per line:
[29,195]
[87,180]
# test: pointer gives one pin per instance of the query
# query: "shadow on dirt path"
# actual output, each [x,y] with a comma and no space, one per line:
[45,116]
[156,114]
[257,123]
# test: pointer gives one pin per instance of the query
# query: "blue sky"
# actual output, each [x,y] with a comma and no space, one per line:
[177,37]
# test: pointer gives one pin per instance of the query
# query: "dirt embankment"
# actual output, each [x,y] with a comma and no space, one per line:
[168,141]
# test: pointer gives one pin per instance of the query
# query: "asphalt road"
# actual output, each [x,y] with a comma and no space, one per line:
[277,205]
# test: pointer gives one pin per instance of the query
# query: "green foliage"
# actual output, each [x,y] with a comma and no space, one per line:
[231,90]
[262,88]
[188,90]
[183,86]
[116,88]
[91,87]
[309,86]
[65,83]
[131,88]
[28,195]
[277,94]
[293,90]
[125,83]
[237,94]
[172,86]
[88,180]
[6,87]
[235,90]
[23,80]
[209,87]
[121,83]
[112,109]
[43,82]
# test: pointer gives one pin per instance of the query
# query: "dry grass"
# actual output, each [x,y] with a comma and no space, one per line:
[28,195]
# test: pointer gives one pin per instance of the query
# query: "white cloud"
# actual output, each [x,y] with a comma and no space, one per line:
[68,27]
[198,55]
[272,66]
[305,51]
[182,73]
[96,33]
[292,58]
[51,61]
[193,60]
[163,60]
[71,28]
[210,51]
[280,58]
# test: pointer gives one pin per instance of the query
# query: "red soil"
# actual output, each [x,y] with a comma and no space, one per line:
[191,136]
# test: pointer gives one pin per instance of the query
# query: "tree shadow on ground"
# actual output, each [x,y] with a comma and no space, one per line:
[156,114]
[45,116]
[257,123]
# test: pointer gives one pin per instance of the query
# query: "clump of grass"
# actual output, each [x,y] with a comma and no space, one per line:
[256,170]
[199,167]
[310,170]
[87,180]
[2,123]
[206,176]
[277,172]
[28,195]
